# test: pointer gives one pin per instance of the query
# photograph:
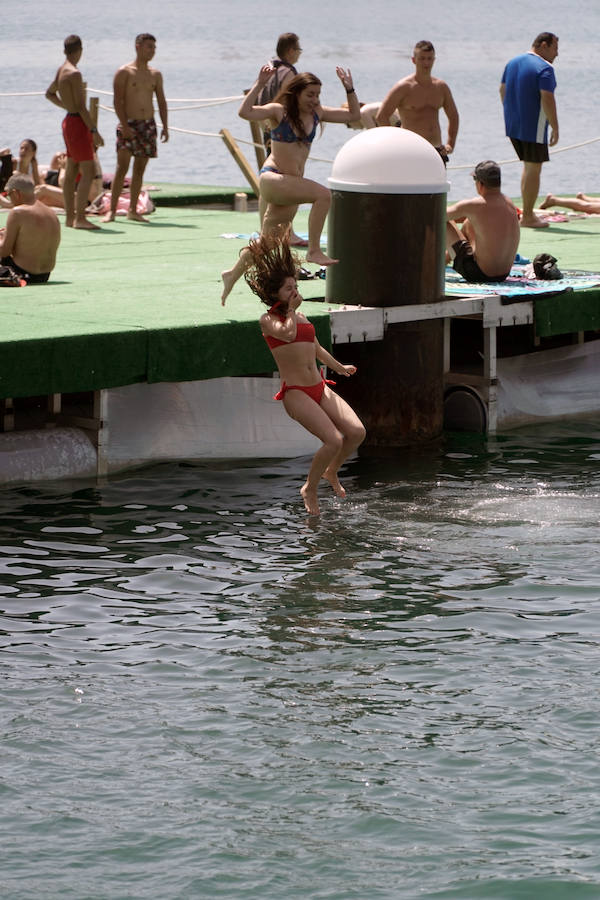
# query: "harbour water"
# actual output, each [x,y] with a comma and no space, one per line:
[208,50]
[207,695]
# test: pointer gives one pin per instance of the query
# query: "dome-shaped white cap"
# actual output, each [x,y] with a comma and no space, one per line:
[388,161]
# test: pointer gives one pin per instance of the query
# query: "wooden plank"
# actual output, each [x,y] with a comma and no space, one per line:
[259,149]
[246,168]
[93,107]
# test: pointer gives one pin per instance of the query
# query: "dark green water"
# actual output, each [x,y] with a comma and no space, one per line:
[207,695]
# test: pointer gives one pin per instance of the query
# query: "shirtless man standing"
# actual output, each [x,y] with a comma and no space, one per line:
[80,133]
[484,250]
[30,240]
[418,99]
[134,87]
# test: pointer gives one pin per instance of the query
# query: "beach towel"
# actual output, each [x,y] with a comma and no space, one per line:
[101,204]
[519,285]
[9,278]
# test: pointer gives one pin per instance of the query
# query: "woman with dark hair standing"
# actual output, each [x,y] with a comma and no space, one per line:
[271,274]
[293,116]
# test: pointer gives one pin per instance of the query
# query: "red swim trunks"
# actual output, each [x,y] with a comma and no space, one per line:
[78,138]
[143,142]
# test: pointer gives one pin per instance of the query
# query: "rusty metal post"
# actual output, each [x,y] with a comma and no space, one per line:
[387,226]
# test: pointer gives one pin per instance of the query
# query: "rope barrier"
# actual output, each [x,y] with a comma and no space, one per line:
[199,133]
[202,101]
[507,162]
[205,102]
[25,94]
[199,105]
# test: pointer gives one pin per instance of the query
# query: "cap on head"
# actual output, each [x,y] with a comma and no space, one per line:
[487,173]
[20,182]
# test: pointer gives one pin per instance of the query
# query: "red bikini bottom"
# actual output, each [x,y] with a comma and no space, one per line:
[314,391]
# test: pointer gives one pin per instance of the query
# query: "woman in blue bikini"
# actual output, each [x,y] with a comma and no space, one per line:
[271,275]
[293,118]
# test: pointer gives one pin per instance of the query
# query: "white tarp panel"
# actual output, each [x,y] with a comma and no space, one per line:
[550,384]
[218,418]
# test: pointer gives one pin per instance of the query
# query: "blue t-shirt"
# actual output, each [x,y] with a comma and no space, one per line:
[525,76]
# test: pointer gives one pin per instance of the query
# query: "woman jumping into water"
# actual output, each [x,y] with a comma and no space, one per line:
[271,275]
[293,118]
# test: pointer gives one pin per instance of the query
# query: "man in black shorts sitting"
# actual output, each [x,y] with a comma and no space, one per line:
[483,250]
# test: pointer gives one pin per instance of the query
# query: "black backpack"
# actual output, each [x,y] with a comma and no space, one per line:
[273,85]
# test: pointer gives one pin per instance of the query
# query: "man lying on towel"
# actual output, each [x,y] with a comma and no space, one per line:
[484,249]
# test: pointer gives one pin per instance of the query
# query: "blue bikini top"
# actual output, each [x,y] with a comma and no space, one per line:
[285,133]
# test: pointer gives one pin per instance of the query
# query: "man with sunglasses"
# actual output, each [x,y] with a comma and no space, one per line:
[483,250]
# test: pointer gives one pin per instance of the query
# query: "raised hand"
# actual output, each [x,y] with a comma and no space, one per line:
[345,76]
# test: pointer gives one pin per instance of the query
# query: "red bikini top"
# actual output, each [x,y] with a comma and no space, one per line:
[305,334]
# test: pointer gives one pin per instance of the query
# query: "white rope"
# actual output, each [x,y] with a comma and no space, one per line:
[206,101]
[199,133]
[199,105]
[25,94]
[506,162]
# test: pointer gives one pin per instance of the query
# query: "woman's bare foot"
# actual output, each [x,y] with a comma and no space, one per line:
[228,282]
[311,502]
[534,221]
[85,225]
[135,217]
[109,217]
[334,481]
[548,202]
[320,258]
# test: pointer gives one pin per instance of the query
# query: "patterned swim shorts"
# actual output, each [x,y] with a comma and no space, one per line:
[143,142]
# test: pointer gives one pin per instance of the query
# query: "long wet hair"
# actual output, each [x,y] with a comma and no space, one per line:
[272,262]
[288,97]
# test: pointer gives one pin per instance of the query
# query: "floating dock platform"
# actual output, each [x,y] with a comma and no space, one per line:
[127,357]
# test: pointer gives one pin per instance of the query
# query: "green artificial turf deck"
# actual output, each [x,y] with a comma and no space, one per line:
[137,302]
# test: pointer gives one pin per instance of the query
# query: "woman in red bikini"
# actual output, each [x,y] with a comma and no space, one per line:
[304,390]
[293,117]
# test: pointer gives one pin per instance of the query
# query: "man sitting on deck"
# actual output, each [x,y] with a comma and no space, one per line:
[30,240]
[484,249]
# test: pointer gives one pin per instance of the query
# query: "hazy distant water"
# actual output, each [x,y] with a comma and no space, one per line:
[205,695]
[215,49]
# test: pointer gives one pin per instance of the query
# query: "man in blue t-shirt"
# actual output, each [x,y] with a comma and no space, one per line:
[527,93]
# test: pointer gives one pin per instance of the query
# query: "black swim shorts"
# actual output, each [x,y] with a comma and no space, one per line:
[442,151]
[527,151]
[466,265]
[31,277]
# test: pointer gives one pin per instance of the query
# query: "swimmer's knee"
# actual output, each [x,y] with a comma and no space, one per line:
[359,433]
[335,440]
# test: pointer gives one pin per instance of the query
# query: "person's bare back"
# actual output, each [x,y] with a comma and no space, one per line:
[490,223]
[492,227]
[69,86]
[37,239]
[32,232]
